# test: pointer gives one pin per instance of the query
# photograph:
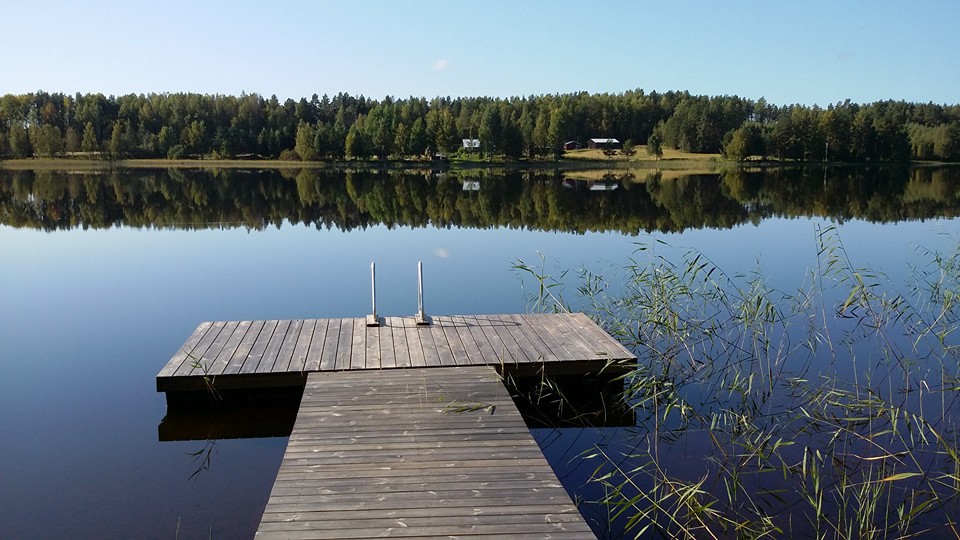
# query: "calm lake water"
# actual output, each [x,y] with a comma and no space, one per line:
[103,276]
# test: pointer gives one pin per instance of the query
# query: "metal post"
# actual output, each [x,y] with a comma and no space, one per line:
[373,319]
[422,317]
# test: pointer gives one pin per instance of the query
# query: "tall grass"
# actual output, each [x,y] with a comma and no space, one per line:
[825,412]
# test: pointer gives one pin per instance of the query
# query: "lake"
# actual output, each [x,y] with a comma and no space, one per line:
[103,275]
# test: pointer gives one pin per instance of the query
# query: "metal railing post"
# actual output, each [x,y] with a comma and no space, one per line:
[422,317]
[373,319]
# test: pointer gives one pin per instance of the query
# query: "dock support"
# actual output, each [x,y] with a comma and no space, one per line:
[422,317]
[373,319]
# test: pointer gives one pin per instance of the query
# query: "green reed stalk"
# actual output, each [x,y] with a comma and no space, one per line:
[828,412]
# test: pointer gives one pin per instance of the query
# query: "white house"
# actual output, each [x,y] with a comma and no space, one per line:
[603,143]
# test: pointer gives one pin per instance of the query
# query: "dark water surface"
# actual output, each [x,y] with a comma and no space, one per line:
[103,276]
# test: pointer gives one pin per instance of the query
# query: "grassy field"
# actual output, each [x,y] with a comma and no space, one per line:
[672,160]
[641,155]
[97,164]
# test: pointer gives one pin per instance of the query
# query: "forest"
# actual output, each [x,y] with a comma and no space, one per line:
[250,126]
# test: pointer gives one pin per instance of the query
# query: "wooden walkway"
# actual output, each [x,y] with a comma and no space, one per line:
[403,430]
[258,354]
[415,453]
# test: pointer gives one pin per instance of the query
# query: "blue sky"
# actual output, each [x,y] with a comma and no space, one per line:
[811,52]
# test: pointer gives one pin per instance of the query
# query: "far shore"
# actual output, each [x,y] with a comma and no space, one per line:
[564,164]
[586,159]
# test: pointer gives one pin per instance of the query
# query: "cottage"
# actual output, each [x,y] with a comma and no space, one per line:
[471,144]
[603,143]
[571,145]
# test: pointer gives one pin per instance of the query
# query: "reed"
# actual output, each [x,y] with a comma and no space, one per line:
[829,411]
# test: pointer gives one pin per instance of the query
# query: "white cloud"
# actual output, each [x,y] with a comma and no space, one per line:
[441,64]
[441,253]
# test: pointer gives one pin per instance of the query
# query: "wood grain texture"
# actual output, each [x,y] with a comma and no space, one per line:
[186,351]
[415,453]
[225,350]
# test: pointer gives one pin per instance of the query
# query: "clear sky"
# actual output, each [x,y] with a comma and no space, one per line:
[810,52]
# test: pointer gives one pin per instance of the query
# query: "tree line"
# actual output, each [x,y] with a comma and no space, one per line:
[530,199]
[189,125]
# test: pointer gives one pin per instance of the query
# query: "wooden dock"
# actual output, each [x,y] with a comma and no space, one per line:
[259,354]
[403,429]
[419,453]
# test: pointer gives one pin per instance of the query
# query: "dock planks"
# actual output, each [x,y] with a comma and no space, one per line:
[256,354]
[416,452]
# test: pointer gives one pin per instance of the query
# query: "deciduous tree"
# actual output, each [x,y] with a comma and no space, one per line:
[304,146]
[655,141]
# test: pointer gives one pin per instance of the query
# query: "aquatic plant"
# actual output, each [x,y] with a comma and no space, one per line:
[826,412]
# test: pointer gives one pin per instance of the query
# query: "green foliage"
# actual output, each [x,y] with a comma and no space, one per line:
[19,142]
[118,147]
[655,142]
[533,126]
[178,151]
[939,142]
[743,142]
[356,143]
[305,142]
[46,140]
[71,141]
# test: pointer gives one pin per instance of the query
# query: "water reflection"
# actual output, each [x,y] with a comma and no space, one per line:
[89,317]
[626,201]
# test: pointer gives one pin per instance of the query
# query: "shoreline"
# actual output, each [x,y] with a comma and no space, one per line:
[708,164]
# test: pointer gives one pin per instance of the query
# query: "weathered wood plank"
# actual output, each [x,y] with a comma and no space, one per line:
[272,352]
[553,337]
[387,353]
[259,347]
[405,530]
[601,339]
[567,338]
[285,348]
[289,345]
[500,344]
[345,347]
[530,340]
[372,353]
[331,340]
[401,349]
[197,353]
[186,350]
[242,352]
[477,347]
[312,360]
[582,339]
[359,350]
[414,345]
[546,348]
[229,348]
[361,520]
[512,353]
[206,363]
[463,354]
[442,450]
[431,353]
[298,359]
